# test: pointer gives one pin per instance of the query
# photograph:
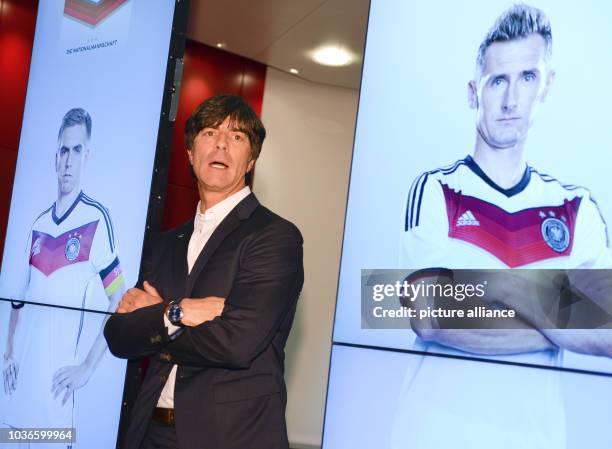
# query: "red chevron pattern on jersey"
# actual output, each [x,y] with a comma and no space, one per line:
[518,238]
[91,12]
[49,253]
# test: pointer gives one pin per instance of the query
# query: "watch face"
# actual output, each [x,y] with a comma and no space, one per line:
[175,313]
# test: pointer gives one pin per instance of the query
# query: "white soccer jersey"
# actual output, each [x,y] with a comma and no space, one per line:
[67,253]
[72,261]
[457,217]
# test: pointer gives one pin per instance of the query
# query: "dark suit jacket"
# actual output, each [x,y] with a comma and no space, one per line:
[230,391]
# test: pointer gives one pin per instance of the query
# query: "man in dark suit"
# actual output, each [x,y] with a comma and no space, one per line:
[216,303]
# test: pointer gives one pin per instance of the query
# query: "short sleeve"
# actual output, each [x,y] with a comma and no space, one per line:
[591,246]
[104,256]
[425,228]
[103,249]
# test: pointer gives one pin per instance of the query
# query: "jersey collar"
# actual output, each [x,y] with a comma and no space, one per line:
[514,190]
[57,219]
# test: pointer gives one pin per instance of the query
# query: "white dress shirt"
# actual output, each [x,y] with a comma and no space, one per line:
[204,225]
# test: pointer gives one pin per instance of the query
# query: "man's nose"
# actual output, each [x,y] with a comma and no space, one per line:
[510,100]
[69,157]
[221,142]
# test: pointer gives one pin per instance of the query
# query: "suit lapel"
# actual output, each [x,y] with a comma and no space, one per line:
[242,211]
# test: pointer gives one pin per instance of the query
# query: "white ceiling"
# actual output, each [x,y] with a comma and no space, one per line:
[281,33]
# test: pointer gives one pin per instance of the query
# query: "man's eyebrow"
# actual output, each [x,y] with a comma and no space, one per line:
[233,128]
[497,76]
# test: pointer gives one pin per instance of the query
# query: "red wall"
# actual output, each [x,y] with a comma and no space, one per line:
[17,21]
[207,71]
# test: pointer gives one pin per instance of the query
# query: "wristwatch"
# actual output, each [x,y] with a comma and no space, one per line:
[174,312]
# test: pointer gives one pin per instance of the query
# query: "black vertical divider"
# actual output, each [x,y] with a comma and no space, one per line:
[159,180]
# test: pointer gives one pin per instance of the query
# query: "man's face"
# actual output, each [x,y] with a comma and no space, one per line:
[514,80]
[72,152]
[220,158]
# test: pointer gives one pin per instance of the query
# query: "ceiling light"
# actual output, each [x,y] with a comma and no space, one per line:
[294,71]
[333,55]
[221,44]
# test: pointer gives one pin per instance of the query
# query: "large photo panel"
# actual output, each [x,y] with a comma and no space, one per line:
[394,400]
[86,153]
[420,198]
[58,373]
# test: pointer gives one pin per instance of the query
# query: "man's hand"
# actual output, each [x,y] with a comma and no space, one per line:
[10,372]
[198,311]
[70,378]
[136,298]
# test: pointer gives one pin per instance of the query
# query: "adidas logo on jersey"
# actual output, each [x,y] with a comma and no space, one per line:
[467,219]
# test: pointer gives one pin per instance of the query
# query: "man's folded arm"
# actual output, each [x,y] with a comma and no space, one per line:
[136,334]
[490,341]
[265,291]
[519,336]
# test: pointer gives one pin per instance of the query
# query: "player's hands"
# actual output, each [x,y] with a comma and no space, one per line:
[199,310]
[10,372]
[136,298]
[68,379]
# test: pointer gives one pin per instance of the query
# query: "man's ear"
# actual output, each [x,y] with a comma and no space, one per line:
[190,156]
[550,78]
[251,164]
[472,93]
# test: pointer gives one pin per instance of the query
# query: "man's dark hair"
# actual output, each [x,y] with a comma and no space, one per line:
[211,113]
[517,22]
[75,116]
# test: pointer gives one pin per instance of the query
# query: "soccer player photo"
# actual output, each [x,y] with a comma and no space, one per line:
[71,260]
